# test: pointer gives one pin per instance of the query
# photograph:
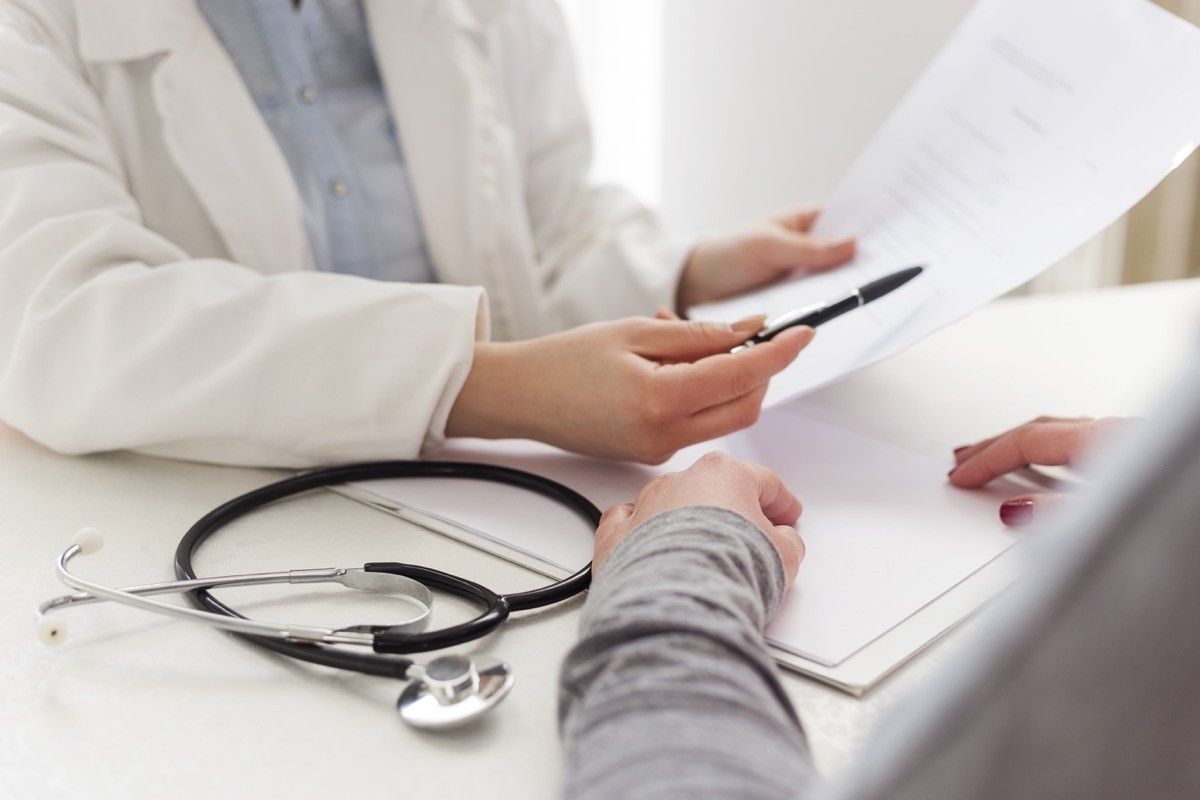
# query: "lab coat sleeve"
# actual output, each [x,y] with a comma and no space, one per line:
[602,253]
[112,337]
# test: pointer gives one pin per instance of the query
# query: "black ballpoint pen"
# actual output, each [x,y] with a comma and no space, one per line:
[812,316]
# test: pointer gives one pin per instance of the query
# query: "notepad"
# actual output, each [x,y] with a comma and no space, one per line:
[886,535]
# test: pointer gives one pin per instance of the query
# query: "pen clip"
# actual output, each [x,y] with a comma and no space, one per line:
[784,321]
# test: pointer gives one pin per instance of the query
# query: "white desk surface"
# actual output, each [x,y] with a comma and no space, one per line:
[138,706]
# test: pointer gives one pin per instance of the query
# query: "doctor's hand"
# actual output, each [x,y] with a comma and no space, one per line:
[635,389]
[719,480]
[737,262]
[1045,441]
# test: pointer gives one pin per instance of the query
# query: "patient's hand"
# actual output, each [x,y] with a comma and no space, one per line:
[1047,441]
[716,479]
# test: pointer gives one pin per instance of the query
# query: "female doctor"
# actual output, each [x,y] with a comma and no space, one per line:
[287,233]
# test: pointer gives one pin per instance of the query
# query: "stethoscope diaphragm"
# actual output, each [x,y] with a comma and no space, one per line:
[452,690]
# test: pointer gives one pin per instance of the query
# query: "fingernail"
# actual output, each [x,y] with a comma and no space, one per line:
[1016,513]
[751,324]
[958,450]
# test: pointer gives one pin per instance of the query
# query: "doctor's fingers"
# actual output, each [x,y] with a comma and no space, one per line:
[725,418]
[675,340]
[720,379]
[800,219]
[806,251]
[662,312]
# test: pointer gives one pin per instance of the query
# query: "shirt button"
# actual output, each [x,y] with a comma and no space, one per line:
[487,183]
[339,188]
[307,95]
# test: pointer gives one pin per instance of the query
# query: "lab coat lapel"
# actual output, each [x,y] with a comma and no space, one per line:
[427,53]
[210,124]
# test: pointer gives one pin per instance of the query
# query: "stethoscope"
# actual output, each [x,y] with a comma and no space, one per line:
[444,692]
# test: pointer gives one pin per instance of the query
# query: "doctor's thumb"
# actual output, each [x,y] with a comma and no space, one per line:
[691,340]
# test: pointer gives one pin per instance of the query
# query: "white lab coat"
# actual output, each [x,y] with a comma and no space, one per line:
[156,285]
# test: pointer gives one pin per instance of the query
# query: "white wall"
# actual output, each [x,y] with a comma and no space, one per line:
[619,46]
[766,102]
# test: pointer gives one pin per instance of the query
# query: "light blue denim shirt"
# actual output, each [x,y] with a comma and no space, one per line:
[313,76]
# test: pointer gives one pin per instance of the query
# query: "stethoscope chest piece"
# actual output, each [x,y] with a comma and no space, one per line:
[453,690]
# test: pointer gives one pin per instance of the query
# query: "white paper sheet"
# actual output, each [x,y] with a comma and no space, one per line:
[885,533]
[1036,126]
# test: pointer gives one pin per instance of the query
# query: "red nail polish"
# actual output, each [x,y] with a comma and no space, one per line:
[1016,513]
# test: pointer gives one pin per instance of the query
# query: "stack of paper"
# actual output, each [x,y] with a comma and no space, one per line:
[886,535]
[1037,126]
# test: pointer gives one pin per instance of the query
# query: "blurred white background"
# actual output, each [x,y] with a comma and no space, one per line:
[722,111]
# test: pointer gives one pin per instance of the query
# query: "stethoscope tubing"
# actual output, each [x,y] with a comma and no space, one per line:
[389,641]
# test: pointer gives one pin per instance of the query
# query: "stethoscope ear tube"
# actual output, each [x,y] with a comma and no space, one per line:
[495,611]
[389,641]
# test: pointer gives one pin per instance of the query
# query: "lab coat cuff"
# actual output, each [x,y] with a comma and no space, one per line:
[475,327]
[676,253]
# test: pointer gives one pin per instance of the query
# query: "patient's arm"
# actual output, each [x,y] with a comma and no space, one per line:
[670,691]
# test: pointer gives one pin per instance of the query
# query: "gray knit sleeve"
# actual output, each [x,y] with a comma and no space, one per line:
[670,691]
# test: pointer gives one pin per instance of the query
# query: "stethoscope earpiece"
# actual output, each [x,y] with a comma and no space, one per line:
[50,631]
[88,540]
